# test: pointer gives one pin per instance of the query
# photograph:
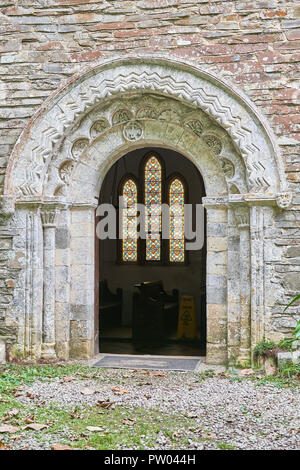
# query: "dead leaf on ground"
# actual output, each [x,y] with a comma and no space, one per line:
[3,400]
[144,383]
[8,428]
[191,415]
[76,415]
[158,374]
[29,419]
[31,395]
[129,421]
[88,391]
[67,379]
[4,446]
[94,428]
[104,403]
[60,447]
[196,430]
[119,391]
[208,435]
[11,414]
[245,372]
[15,437]
[36,426]
[177,435]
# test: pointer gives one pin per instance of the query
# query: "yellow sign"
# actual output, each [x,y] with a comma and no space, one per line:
[187,325]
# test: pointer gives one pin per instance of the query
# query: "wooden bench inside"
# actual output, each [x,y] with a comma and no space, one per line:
[155,313]
[110,306]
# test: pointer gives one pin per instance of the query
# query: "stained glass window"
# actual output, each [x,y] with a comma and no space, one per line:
[153,177]
[176,204]
[129,221]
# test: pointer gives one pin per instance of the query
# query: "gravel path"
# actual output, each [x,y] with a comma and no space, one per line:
[241,414]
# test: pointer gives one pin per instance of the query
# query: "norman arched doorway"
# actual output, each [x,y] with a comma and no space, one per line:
[124,265]
[56,172]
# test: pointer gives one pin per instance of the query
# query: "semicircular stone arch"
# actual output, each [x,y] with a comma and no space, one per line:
[86,154]
[32,157]
[54,178]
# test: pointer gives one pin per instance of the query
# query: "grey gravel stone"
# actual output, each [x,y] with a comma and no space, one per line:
[221,410]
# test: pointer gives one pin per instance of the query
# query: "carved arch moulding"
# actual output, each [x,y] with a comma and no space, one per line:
[107,99]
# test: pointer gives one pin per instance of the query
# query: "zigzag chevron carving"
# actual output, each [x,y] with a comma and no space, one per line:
[84,96]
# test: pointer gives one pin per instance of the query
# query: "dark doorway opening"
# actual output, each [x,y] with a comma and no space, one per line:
[128,325]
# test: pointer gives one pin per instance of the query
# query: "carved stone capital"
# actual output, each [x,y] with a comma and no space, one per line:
[49,216]
[242,216]
[284,200]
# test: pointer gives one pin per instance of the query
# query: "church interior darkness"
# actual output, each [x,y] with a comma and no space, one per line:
[118,331]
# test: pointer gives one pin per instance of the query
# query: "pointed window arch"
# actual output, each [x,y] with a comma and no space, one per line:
[176,196]
[153,190]
[153,200]
[129,221]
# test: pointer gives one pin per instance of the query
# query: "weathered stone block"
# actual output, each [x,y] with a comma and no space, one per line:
[62,238]
[287,358]
[2,352]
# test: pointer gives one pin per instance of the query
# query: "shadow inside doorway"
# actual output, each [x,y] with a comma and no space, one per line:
[165,348]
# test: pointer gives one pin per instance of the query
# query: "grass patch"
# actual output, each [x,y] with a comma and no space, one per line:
[277,381]
[13,375]
[224,446]
[120,427]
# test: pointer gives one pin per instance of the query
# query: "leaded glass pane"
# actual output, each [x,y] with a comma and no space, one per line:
[129,221]
[176,203]
[153,175]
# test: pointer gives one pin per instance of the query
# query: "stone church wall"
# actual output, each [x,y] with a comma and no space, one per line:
[253,45]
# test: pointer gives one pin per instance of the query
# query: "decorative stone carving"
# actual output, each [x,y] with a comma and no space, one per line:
[122,115]
[32,182]
[240,118]
[98,127]
[256,178]
[147,112]
[195,125]
[60,190]
[49,217]
[284,200]
[169,115]
[214,144]
[242,216]
[65,170]
[133,131]
[233,189]
[79,146]
[227,167]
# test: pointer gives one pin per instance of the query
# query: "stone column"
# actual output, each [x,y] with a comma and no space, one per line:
[29,288]
[82,292]
[62,284]
[233,285]
[257,273]
[49,219]
[216,281]
[242,218]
